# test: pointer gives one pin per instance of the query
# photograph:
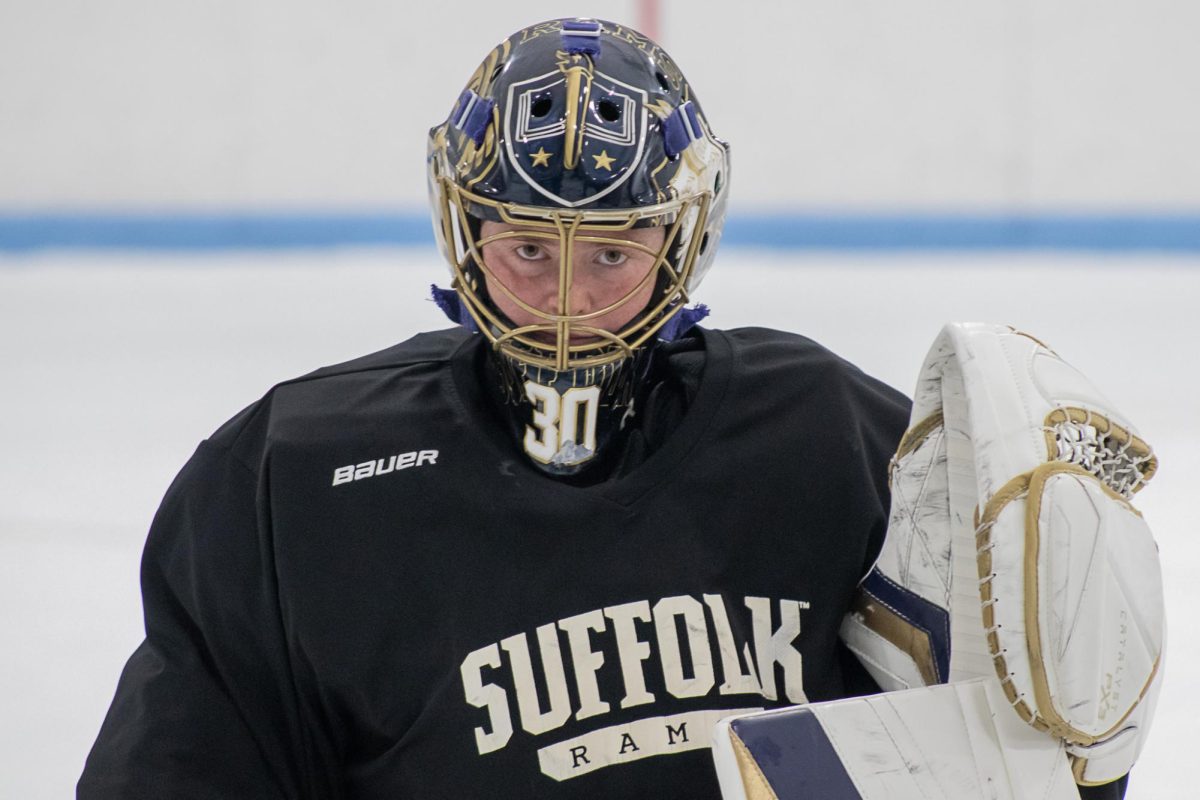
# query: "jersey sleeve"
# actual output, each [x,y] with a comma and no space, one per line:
[205,707]
[880,423]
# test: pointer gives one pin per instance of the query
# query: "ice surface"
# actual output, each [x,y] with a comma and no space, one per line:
[113,367]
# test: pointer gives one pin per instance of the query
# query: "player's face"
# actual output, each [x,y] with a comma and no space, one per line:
[602,274]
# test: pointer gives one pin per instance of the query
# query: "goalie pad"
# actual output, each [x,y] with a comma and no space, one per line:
[1013,549]
[952,742]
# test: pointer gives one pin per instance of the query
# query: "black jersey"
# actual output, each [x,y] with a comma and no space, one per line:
[359,587]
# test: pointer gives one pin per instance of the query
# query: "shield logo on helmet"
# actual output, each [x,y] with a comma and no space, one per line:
[574,133]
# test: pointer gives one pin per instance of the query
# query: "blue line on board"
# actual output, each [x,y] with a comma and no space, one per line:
[777,231]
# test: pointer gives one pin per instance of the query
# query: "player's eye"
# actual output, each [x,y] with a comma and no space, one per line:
[611,257]
[529,251]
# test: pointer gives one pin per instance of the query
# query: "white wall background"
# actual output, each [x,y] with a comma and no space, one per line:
[870,104]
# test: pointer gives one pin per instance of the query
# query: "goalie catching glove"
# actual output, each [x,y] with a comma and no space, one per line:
[1016,563]
[1013,537]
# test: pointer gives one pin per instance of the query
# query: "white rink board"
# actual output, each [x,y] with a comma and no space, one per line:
[113,367]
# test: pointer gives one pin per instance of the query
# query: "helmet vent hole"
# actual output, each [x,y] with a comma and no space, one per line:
[662,81]
[496,72]
[541,107]
[608,110]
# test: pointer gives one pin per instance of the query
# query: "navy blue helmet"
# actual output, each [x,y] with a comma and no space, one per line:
[577,131]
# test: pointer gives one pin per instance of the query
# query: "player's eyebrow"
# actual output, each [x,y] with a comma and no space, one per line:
[530,237]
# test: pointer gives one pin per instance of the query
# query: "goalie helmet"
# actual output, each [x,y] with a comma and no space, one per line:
[575,134]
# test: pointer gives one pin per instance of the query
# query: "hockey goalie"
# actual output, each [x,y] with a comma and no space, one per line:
[1015,616]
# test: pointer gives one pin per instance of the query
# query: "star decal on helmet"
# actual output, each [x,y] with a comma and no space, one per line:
[604,160]
[541,158]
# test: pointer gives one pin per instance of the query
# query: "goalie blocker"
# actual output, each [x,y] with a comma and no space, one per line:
[1017,570]
[954,741]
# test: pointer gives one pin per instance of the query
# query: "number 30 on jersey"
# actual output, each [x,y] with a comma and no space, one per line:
[555,435]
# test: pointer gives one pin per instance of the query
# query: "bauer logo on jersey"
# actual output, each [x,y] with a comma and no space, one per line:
[575,132]
[383,466]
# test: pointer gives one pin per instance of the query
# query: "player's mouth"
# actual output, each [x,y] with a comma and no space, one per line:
[550,338]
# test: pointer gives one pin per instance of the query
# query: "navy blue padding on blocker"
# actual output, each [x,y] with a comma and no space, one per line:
[919,612]
[795,755]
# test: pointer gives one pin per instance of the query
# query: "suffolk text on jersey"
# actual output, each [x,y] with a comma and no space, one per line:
[681,648]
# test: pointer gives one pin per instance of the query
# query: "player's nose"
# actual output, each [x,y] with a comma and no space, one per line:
[582,296]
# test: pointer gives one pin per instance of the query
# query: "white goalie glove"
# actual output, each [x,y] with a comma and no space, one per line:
[1016,570]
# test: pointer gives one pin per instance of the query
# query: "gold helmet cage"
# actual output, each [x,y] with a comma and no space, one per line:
[563,339]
